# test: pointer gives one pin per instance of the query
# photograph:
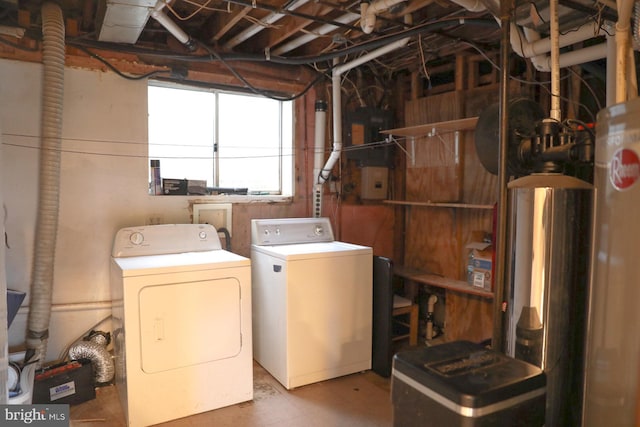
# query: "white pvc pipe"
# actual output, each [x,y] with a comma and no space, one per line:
[336,88]
[171,26]
[256,28]
[320,134]
[368,13]
[532,45]
[320,31]
[576,57]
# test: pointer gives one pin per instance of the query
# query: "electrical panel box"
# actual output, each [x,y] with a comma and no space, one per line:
[216,214]
[363,141]
[374,183]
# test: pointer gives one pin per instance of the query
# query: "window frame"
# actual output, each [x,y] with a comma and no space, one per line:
[287,191]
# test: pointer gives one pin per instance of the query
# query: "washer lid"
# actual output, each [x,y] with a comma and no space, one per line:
[312,250]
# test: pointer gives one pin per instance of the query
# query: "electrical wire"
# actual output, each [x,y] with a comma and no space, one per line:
[120,73]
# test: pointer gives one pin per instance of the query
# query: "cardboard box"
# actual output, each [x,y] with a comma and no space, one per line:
[174,187]
[480,265]
[70,383]
[197,186]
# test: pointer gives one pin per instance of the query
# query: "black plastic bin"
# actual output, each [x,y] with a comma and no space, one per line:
[465,384]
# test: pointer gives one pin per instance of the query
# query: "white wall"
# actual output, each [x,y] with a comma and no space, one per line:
[103,188]
[4,360]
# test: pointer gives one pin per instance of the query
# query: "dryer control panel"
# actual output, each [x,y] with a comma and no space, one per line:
[165,239]
[287,231]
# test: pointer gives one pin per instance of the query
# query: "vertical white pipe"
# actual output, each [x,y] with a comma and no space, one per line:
[555,62]
[319,142]
[336,104]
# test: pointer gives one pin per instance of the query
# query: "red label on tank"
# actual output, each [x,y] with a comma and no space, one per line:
[625,168]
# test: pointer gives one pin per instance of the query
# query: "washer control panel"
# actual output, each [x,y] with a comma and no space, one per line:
[286,231]
[165,239]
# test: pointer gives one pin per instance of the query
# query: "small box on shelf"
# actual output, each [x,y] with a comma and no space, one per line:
[480,265]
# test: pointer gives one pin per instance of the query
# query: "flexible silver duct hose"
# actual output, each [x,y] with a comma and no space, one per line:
[49,182]
[636,22]
[96,351]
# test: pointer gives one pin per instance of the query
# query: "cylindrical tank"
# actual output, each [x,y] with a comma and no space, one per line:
[613,340]
[547,284]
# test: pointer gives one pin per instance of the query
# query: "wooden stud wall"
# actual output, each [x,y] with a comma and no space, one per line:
[435,237]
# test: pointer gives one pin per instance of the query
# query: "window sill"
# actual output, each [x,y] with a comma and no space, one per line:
[258,198]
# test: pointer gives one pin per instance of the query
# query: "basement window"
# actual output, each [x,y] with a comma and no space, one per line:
[208,141]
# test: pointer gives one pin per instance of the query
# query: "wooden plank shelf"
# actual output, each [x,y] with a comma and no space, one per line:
[425,278]
[439,204]
[432,129]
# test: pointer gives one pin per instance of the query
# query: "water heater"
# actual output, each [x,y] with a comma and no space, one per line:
[612,374]
[547,276]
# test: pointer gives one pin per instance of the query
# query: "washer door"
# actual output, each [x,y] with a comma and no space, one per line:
[190,323]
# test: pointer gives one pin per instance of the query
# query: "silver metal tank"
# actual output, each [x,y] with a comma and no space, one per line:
[547,283]
[613,342]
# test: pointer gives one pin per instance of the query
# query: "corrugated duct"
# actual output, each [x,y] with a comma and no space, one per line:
[53,55]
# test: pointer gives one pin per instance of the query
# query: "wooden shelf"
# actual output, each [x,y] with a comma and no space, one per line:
[439,204]
[432,129]
[419,276]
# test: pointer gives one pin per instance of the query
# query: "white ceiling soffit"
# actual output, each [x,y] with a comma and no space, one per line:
[122,21]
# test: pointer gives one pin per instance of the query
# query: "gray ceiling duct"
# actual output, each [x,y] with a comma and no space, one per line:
[122,21]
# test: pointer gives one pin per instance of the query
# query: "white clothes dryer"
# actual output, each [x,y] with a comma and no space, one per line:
[312,301]
[182,322]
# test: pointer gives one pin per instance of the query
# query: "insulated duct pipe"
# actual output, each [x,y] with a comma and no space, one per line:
[53,55]
[368,12]
[320,134]
[95,349]
[172,27]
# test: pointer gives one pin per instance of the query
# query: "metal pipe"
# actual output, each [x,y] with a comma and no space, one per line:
[499,308]
[555,113]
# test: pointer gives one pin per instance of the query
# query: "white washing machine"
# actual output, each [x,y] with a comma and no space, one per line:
[182,322]
[312,301]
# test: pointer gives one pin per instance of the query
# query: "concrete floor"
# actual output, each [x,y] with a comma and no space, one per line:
[357,400]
